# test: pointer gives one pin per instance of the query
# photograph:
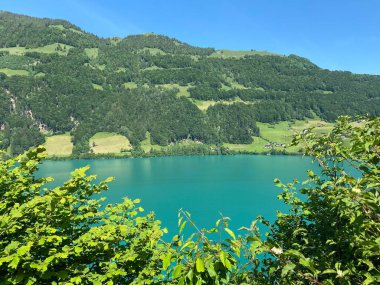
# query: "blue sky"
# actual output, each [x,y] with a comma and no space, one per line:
[335,34]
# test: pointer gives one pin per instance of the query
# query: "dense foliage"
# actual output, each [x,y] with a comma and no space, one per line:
[330,235]
[50,237]
[58,78]
[333,236]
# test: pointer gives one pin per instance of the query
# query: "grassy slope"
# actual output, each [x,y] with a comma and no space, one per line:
[97,86]
[45,49]
[238,53]
[13,72]
[92,52]
[109,143]
[154,51]
[147,146]
[183,90]
[59,145]
[281,133]
[205,104]
[130,85]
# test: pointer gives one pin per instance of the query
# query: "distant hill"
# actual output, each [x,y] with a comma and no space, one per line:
[57,78]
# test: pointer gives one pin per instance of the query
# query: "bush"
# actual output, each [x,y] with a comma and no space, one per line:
[65,236]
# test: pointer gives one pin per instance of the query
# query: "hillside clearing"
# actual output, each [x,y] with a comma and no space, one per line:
[92,52]
[205,104]
[146,146]
[183,91]
[105,142]
[14,72]
[130,85]
[97,86]
[59,145]
[280,135]
[61,49]
[224,53]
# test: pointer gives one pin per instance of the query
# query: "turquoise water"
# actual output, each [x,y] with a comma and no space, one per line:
[240,187]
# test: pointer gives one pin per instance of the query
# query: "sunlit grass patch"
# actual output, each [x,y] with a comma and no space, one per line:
[13,72]
[59,145]
[105,142]
[182,90]
[238,53]
[92,52]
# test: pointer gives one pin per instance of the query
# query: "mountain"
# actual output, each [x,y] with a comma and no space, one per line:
[56,78]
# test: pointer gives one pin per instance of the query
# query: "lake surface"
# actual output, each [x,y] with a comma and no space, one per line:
[240,187]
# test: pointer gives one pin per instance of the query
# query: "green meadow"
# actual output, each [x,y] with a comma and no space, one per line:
[205,104]
[59,145]
[13,72]
[224,53]
[105,142]
[92,52]
[279,136]
[59,48]
[183,91]
[146,145]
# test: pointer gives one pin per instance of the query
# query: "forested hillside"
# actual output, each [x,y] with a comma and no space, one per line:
[56,78]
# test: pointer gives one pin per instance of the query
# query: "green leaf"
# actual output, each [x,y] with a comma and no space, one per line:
[166,261]
[231,233]
[190,275]
[78,249]
[223,258]
[177,271]
[329,271]
[181,281]
[23,250]
[199,265]
[228,264]
[211,270]
[14,262]
[182,226]
[288,267]
[306,262]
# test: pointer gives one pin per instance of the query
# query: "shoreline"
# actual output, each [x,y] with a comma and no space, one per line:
[149,155]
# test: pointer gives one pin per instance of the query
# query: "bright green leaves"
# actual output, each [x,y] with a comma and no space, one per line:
[177,271]
[166,261]
[199,259]
[330,236]
[230,233]
[199,265]
[64,236]
[14,262]
[287,268]
[225,261]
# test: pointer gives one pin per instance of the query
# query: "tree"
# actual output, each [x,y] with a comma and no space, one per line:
[65,236]
[331,235]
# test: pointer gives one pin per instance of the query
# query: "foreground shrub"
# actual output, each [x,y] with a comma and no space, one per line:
[332,234]
[64,236]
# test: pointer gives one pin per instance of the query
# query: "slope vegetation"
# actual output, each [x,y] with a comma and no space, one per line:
[57,78]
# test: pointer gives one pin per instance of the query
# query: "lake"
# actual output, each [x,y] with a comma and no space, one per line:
[240,186]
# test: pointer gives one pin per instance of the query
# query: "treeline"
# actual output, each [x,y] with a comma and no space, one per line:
[30,32]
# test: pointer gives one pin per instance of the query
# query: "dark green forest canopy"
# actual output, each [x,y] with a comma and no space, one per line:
[55,76]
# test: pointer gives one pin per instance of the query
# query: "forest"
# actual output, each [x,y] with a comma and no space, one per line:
[56,78]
